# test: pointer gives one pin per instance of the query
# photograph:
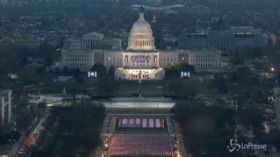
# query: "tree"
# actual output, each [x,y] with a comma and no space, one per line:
[57,69]
[65,69]
[181,112]
[234,77]
[237,60]
[106,86]
[100,69]
[77,132]
[79,79]
[187,67]
[111,72]
[175,87]
[189,92]
[220,83]
[207,127]
[40,69]
[42,105]
[252,115]
[48,62]
[244,76]
[173,70]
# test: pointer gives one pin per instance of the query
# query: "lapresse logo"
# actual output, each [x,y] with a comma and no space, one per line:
[235,146]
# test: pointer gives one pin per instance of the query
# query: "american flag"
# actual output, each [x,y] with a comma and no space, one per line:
[141,123]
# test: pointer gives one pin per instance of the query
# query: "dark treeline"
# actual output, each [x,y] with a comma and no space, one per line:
[14,57]
[107,84]
[204,129]
[173,70]
[76,130]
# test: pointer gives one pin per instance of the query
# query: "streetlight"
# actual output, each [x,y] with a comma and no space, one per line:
[274,74]
[109,60]
[272,69]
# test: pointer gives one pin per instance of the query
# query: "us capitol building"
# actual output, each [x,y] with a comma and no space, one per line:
[141,59]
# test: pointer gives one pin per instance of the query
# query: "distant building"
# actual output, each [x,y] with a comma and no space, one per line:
[112,43]
[92,40]
[168,56]
[222,37]
[82,59]
[5,107]
[247,35]
[140,60]
[113,58]
[98,56]
[197,40]
[73,43]
[169,40]
[205,60]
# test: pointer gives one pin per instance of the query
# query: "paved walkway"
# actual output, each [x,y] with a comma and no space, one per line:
[174,131]
[107,130]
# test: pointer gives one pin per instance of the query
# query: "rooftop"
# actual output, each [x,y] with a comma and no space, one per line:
[142,51]
[94,35]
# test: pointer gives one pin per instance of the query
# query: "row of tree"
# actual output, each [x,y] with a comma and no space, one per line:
[14,57]
[76,131]
[173,70]
[204,129]
[106,85]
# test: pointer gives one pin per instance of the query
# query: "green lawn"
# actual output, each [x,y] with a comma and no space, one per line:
[140,130]
[125,88]
[58,87]
[156,88]
[27,72]
[146,89]
[201,87]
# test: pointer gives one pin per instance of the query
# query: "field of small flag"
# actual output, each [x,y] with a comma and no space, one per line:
[140,145]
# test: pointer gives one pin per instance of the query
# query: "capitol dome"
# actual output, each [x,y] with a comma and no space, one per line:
[141,35]
[141,25]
